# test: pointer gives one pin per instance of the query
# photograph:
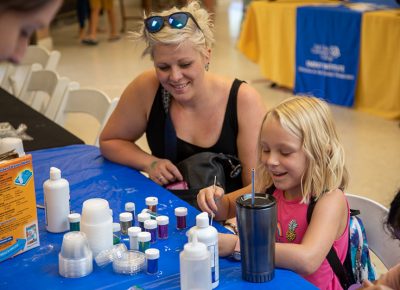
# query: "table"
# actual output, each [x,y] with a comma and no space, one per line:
[268,38]
[45,132]
[90,175]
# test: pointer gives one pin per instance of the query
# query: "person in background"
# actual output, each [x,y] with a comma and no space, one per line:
[391,279]
[209,112]
[96,6]
[83,14]
[19,19]
[300,154]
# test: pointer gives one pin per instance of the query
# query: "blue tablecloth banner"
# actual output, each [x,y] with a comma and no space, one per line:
[327,53]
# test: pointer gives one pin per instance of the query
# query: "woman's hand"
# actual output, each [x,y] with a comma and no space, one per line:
[163,172]
[227,243]
[209,198]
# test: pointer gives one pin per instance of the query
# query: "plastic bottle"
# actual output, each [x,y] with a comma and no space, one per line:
[56,201]
[194,263]
[208,235]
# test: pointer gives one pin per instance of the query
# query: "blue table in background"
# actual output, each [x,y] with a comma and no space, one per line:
[90,176]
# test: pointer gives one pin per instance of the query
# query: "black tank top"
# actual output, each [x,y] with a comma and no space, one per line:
[225,144]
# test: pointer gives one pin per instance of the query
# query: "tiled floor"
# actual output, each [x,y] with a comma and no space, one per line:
[372,144]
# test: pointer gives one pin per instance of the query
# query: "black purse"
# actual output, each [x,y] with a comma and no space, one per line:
[198,170]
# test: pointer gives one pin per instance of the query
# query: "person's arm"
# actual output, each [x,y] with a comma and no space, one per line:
[215,202]
[327,224]
[251,111]
[128,123]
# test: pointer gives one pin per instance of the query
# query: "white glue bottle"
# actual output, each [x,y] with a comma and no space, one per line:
[56,201]
[208,235]
[194,264]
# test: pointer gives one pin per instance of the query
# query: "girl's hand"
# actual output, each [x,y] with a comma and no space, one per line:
[227,244]
[208,199]
[163,171]
[370,286]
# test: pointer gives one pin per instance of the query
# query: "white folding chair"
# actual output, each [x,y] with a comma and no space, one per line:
[43,91]
[380,242]
[38,54]
[35,55]
[88,101]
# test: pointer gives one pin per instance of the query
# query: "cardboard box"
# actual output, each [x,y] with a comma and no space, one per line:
[19,230]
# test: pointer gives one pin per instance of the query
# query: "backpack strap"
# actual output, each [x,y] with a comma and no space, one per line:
[332,256]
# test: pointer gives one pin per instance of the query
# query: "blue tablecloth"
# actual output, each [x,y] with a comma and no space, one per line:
[90,175]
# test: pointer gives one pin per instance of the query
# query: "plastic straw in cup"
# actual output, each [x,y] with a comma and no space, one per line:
[252,187]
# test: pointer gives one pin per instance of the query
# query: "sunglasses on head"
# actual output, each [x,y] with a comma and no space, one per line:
[177,20]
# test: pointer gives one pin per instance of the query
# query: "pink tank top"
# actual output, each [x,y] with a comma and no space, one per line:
[291,227]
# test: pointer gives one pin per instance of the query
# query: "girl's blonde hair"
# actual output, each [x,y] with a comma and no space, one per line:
[202,38]
[309,119]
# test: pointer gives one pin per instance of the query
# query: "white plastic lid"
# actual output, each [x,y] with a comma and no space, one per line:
[116,227]
[134,231]
[195,249]
[74,217]
[144,237]
[129,206]
[125,217]
[202,220]
[162,220]
[55,173]
[150,224]
[151,200]
[181,211]
[143,216]
[152,254]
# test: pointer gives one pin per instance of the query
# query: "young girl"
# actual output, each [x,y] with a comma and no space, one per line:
[300,154]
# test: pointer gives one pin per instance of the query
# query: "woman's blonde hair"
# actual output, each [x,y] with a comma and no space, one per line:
[309,119]
[202,38]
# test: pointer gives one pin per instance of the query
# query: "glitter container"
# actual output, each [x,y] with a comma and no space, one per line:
[125,219]
[152,256]
[144,239]
[162,226]
[74,222]
[141,218]
[133,237]
[151,227]
[116,233]
[131,262]
[130,207]
[151,203]
[181,214]
[107,256]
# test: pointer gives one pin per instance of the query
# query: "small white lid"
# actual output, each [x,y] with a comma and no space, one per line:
[125,217]
[55,173]
[134,231]
[195,249]
[74,217]
[116,227]
[181,211]
[143,216]
[151,200]
[152,254]
[150,224]
[162,220]
[144,237]
[129,206]
[202,220]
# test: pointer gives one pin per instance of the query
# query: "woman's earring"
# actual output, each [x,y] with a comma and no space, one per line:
[207,66]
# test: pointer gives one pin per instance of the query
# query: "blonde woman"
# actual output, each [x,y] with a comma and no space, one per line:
[300,154]
[209,112]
